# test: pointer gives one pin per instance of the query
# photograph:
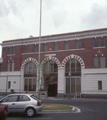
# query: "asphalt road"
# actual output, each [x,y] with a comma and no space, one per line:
[91,109]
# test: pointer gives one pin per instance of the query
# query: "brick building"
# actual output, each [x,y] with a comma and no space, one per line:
[75,62]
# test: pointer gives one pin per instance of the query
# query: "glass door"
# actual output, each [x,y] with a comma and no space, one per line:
[30,84]
[74,85]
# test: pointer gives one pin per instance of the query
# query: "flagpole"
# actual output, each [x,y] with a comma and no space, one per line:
[39,43]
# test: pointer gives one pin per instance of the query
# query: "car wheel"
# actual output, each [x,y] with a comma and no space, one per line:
[30,112]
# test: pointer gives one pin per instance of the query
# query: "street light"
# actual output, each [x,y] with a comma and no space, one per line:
[69,84]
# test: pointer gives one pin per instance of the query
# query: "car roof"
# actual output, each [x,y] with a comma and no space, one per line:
[20,94]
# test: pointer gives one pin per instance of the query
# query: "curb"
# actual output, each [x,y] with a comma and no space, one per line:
[74,110]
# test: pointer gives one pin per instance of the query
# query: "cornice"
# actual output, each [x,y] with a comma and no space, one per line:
[57,38]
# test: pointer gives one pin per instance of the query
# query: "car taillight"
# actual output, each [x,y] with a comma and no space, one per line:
[38,103]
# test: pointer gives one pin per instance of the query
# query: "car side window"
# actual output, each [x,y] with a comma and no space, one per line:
[23,98]
[35,98]
[12,98]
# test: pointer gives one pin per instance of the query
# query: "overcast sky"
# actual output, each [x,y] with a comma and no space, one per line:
[20,18]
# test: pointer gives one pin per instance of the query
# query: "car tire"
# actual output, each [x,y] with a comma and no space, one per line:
[30,112]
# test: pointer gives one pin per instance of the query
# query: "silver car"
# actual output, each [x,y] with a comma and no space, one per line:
[22,103]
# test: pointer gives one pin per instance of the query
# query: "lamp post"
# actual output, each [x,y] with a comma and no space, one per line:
[69,84]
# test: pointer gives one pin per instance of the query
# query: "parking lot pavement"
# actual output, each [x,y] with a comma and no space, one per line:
[91,109]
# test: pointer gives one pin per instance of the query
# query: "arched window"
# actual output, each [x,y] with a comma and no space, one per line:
[73,82]
[50,67]
[30,69]
[74,67]
[30,73]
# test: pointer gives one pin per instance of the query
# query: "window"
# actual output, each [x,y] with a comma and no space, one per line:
[8,66]
[66,45]
[34,97]
[78,44]
[9,50]
[67,67]
[12,66]
[102,62]
[102,42]
[99,85]
[67,85]
[30,69]
[78,66]
[9,84]
[13,50]
[30,84]
[74,84]
[26,49]
[35,48]
[23,98]
[50,67]
[73,66]
[96,62]
[55,46]
[95,42]
[99,62]
[12,98]
[45,47]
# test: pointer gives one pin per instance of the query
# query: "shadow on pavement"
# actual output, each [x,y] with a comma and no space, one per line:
[18,115]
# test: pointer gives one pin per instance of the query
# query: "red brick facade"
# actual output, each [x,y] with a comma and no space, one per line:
[87,52]
[87,49]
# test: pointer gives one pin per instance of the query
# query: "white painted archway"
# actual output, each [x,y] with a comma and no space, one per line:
[61,73]
[73,57]
[23,67]
[29,60]
[48,59]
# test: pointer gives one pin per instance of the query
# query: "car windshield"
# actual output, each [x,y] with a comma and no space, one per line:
[34,97]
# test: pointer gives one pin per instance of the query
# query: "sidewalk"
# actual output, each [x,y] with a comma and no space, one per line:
[60,98]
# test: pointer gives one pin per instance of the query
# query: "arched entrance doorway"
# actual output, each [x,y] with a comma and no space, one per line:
[50,71]
[30,75]
[73,82]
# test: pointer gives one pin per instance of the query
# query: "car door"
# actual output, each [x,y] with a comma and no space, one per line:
[23,102]
[11,101]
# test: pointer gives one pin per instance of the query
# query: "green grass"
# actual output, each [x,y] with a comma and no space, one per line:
[56,107]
